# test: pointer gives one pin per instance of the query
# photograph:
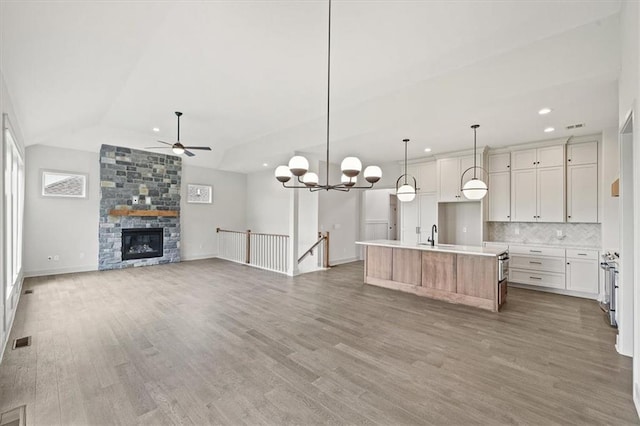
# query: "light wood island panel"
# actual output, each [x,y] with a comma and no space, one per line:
[468,279]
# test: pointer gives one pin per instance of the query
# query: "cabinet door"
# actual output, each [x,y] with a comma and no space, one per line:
[523,195]
[427,177]
[582,197]
[410,221]
[582,153]
[551,156]
[582,275]
[413,170]
[525,159]
[550,194]
[448,179]
[500,162]
[428,215]
[499,197]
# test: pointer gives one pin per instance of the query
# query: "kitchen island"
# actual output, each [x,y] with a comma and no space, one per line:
[466,275]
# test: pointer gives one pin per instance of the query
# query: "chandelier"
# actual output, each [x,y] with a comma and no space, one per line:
[351,166]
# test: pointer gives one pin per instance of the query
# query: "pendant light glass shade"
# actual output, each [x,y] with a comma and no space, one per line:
[373,174]
[298,165]
[348,181]
[406,193]
[475,189]
[310,179]
[351,166]
[283,174]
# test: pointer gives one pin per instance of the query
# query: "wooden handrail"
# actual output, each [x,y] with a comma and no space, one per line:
[321,238]
[253,233]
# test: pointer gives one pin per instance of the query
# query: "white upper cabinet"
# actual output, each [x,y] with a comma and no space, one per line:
[426,176]
[523,196]
[550,195]
[500,162]
[582,153]
[499,196]
[548,156]
[449,174]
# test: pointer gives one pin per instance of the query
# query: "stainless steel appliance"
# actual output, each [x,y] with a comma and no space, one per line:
[503,277]
[610,300]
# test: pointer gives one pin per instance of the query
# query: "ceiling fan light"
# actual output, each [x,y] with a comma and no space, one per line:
[474,189]
[406,193]
[298,165]
[283,174]
[351,166]
[373,174]
[178,150]
[310,179]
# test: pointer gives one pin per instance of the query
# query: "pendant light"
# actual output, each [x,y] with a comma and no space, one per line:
[350,166]
[405,192]
[474,189]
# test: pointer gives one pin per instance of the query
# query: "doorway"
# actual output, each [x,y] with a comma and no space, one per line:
[393,217]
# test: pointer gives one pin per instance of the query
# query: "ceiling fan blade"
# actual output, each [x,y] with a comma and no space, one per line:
[166,143]
[204,148]
[189,153]
[157,147]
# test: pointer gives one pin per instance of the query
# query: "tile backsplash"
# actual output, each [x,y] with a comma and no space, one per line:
[573,234]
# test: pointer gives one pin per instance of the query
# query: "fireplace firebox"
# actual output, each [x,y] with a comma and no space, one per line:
[142,243]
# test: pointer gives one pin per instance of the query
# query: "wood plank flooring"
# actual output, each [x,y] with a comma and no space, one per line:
[212,342]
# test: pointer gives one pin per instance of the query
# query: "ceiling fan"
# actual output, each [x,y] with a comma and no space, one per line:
[177,147]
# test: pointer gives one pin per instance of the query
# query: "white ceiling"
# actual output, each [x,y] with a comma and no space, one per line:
[250,76]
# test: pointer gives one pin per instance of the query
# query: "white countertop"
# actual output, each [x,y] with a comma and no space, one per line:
[445,248]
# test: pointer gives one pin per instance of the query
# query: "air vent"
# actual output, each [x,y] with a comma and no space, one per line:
[576,126]
[22,342]
[28,292]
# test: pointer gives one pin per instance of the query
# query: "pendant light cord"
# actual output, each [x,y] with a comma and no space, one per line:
[474,153]
[178,129]
[328,88]
[406,143]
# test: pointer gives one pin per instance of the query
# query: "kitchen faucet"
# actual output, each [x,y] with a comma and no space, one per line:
[432,240]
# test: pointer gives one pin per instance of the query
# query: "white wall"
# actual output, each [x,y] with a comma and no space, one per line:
[63,227]
[338,214]
[267,204]
[610,171]
[628,98]
[9,302]
[460,223]
[198,222]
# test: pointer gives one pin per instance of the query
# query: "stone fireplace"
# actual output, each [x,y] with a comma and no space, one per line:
[139,208]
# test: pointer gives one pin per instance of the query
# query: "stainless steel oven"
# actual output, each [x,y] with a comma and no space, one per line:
[610,301]
[503,267]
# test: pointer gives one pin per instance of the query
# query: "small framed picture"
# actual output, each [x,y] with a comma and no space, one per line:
[202,194]
[64,184]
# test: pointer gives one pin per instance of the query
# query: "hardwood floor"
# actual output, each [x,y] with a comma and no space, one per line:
[212,342]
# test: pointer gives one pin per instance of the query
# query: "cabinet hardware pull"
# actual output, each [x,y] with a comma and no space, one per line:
[535,278]
[569,216]
[568,263]
[536,263]
[535,251]
[582,254]
[569,159]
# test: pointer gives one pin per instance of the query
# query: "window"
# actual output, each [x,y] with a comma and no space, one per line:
[62,184]
[199,193]
[13,207]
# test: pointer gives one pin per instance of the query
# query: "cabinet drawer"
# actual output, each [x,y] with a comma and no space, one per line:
[538,264]
[582,254]
[543,279]
[537,251]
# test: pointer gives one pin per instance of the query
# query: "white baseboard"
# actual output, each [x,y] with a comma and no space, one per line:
[184,257]
[555,290]
[59,271]
[343,261]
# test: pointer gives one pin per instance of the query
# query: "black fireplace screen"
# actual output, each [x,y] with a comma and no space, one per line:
[142,243]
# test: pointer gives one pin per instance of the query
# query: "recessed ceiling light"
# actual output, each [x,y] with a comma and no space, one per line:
[549,130]
[155,129]
[544,111]
[265,164]
[427,150]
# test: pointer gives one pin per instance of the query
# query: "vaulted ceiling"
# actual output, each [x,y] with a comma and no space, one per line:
[250,76]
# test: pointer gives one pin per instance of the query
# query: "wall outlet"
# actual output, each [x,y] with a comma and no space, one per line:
[134,199]
[464,229]
[148,201]
[559,233]
[81,255]
[516,231]
[56,258]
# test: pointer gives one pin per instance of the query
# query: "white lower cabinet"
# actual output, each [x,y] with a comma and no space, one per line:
[583,271]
